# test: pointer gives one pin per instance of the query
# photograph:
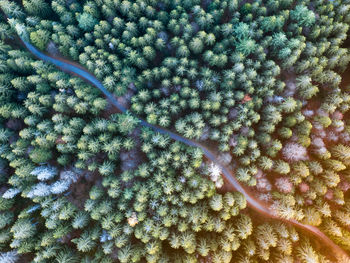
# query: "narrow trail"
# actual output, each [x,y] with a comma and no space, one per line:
[253,203]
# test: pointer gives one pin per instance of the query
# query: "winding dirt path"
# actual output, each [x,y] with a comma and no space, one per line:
[253,203]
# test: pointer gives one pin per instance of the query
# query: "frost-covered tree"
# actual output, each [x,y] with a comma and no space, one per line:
[9,257]
[294,152]
[44,173]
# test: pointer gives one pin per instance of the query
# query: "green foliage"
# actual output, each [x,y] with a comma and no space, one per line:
[126,123]
[86,21]
[23,229]
[40,155]
[37,7]
[216,203]
[258,81]
[303,16]
[40,38]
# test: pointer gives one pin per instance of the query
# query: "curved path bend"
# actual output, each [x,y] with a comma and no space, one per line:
[253,203]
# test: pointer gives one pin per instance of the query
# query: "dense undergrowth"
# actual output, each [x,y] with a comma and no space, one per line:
[258,81]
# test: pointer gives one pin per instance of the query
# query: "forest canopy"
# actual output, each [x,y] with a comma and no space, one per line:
[258,85]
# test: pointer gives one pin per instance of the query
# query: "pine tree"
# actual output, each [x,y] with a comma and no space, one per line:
[85,242]
[306,253]
[302,15]
[9,257]
[23,229]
